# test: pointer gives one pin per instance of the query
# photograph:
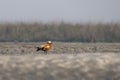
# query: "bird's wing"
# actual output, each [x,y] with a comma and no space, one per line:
[43,45]
[47,46]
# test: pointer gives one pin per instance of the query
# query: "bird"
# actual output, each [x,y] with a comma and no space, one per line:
[45,47]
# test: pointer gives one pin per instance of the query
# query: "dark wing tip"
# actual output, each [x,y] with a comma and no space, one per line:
[38,48]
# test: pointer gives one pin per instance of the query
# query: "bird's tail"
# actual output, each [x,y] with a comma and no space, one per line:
[38,48]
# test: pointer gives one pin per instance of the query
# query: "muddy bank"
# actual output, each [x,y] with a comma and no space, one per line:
[58,47]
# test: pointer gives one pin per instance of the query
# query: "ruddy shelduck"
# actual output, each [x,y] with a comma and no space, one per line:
[45,47]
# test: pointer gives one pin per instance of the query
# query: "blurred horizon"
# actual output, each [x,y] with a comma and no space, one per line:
[74,11]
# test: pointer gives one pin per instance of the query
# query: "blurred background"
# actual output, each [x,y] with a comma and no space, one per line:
[60,20]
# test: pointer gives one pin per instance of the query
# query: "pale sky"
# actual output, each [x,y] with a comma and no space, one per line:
[57,10]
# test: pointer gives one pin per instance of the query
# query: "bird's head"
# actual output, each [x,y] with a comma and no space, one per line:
[49,42]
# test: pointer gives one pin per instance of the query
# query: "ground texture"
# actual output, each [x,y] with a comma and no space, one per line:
[65,61]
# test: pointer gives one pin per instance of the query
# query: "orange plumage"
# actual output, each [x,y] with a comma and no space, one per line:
[45,47]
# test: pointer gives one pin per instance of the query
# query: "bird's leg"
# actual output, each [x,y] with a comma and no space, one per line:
[45,52]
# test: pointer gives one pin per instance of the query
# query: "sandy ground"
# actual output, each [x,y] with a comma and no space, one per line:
[74,61]
[61,67]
